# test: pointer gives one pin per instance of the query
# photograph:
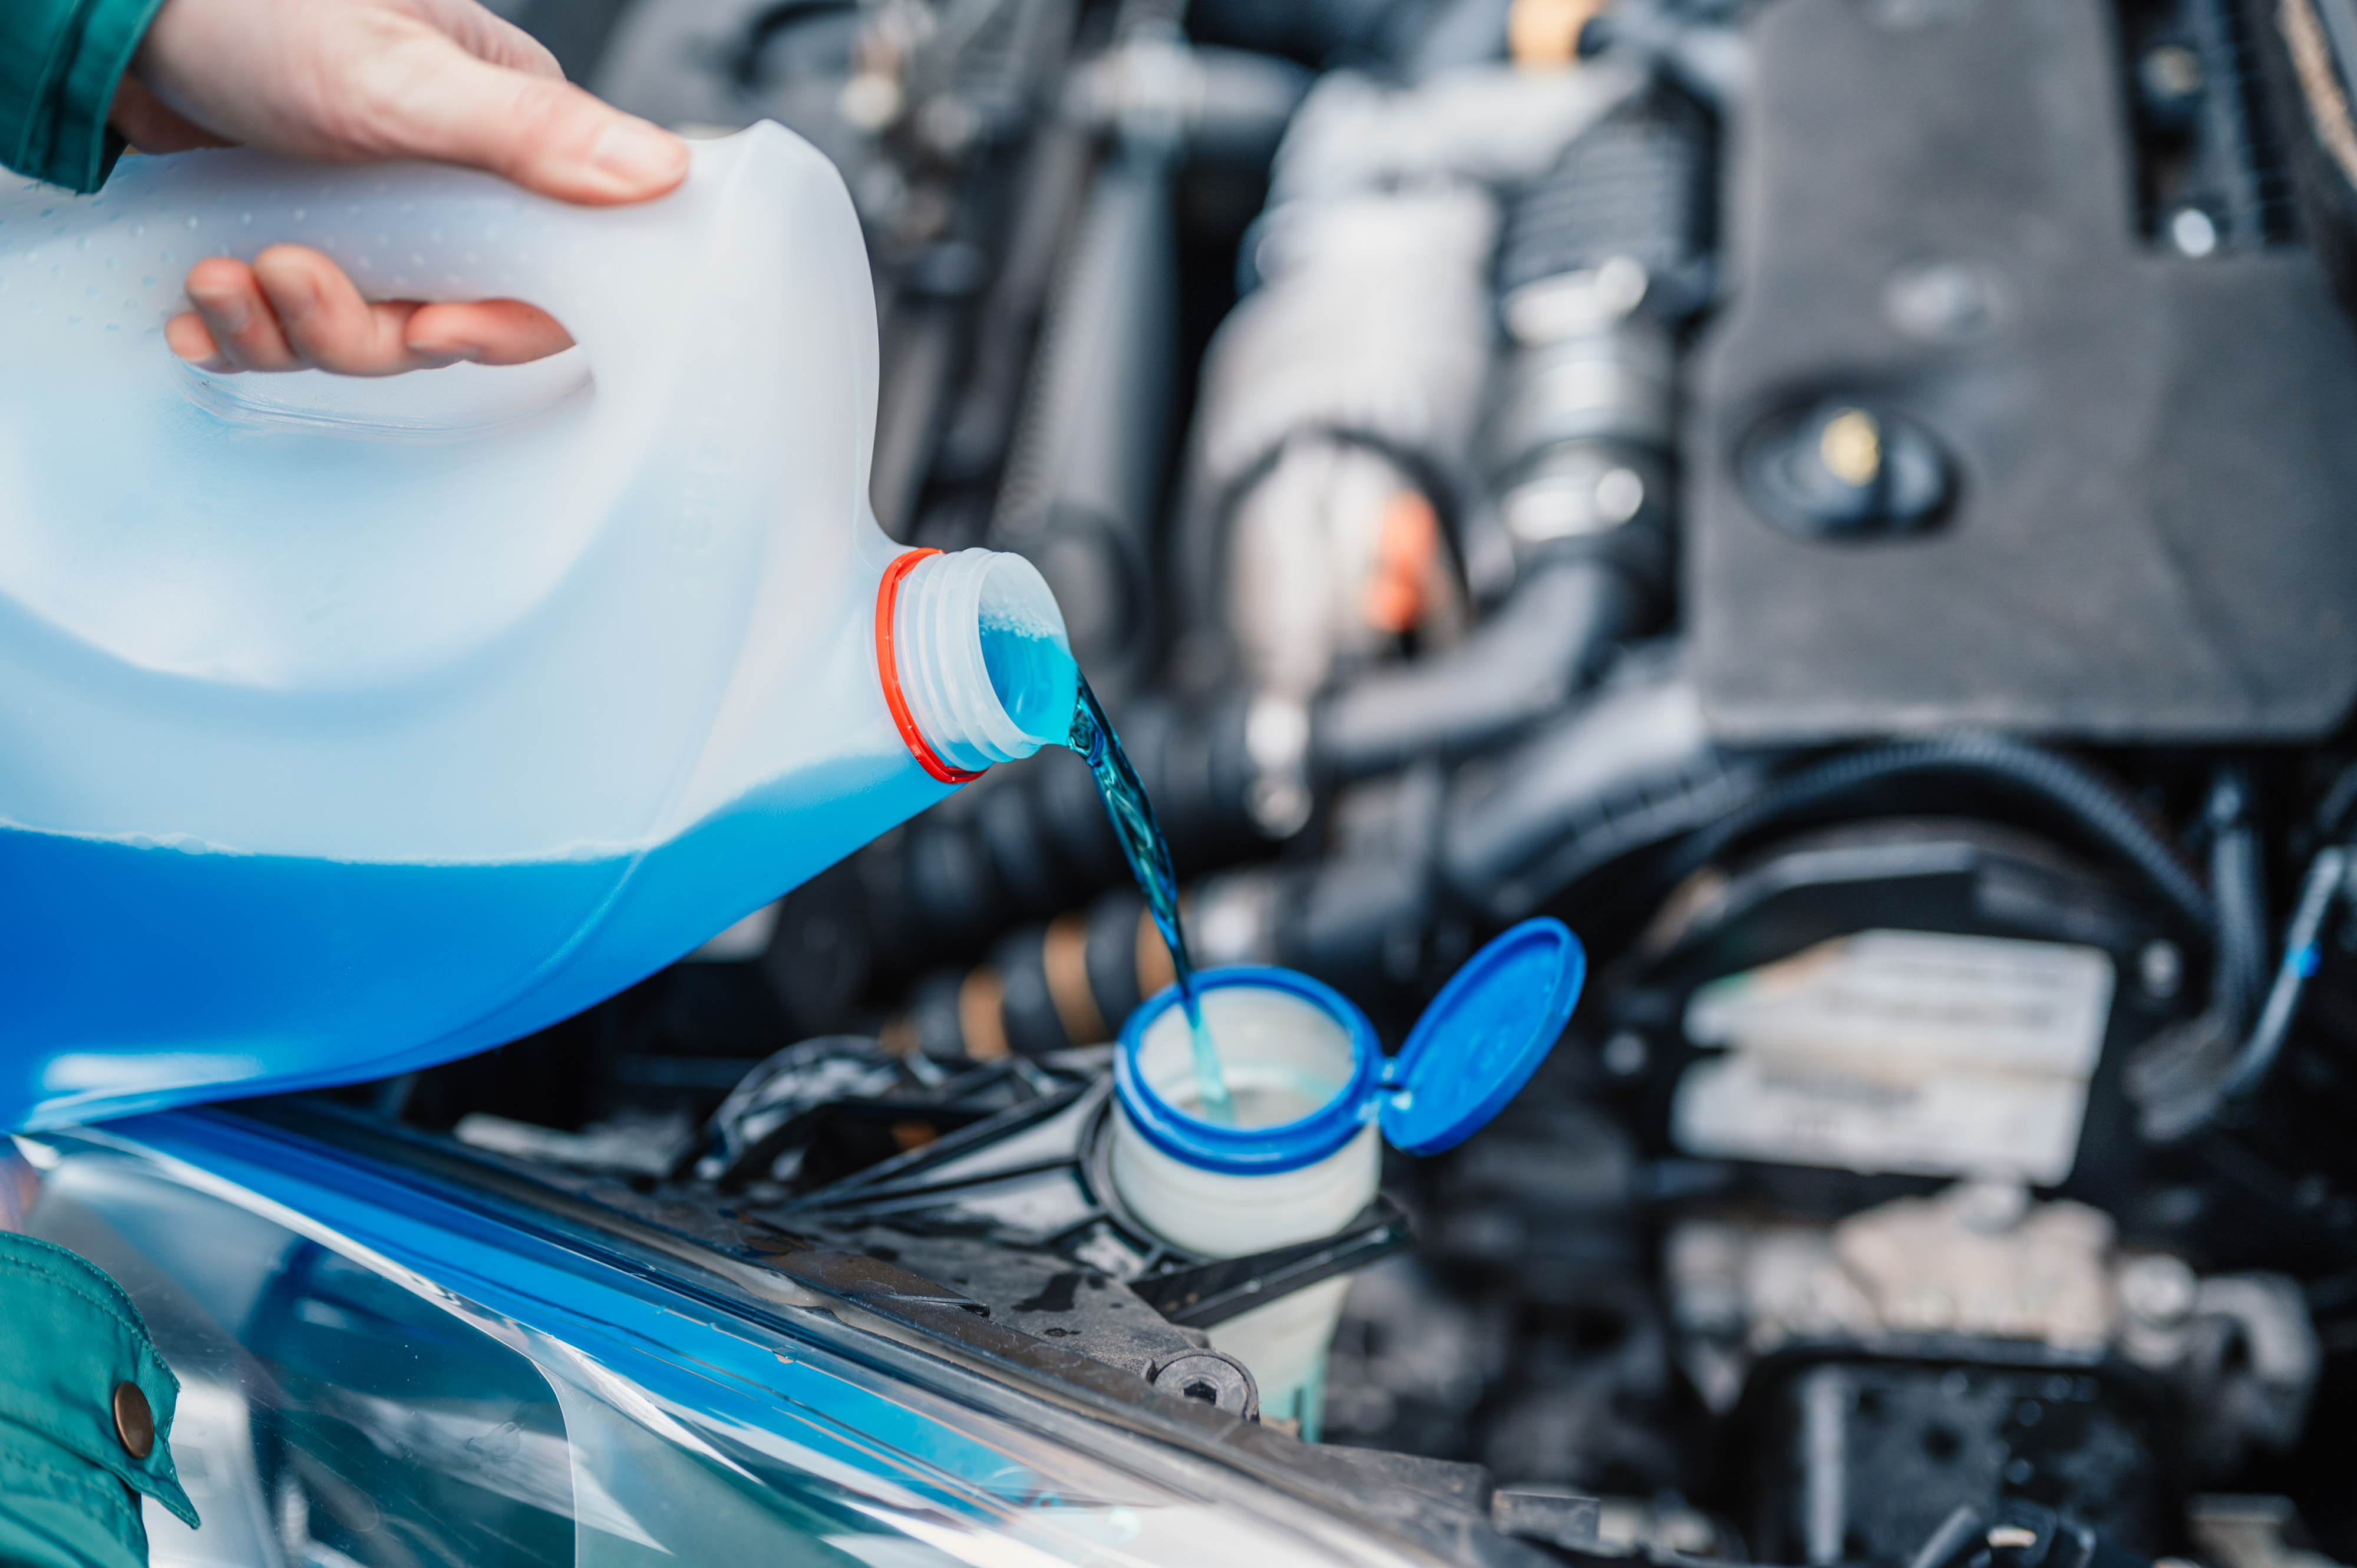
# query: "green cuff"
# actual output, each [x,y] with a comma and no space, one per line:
[60,63]
[66,1475]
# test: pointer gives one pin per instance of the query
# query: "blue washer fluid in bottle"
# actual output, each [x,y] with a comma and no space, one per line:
[350,726]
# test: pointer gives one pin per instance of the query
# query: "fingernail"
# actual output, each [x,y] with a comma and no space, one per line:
[215,362]
[449,353]
[635,152]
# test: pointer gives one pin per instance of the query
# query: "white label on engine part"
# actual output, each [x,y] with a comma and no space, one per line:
[1899,1051]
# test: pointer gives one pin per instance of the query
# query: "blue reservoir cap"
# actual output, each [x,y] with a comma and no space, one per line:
[1483,1037]
[1251,1151]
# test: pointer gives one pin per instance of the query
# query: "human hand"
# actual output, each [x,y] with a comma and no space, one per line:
[293,310]
[355,81]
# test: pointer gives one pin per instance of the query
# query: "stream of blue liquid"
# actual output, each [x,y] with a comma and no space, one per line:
[1148,854]
[1037,683]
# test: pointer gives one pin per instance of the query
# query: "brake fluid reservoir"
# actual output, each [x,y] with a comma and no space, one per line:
[354,725]
[1315,1100]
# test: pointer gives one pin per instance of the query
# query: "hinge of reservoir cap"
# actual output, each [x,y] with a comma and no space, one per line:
[887,671]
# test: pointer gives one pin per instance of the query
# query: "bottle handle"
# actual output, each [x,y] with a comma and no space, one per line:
[635,286]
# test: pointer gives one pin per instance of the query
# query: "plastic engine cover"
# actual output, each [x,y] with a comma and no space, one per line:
[1934,212]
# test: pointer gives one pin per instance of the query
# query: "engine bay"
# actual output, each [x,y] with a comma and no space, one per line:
[1842,502]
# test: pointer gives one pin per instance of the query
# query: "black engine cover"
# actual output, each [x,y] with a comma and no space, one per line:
[2152,459]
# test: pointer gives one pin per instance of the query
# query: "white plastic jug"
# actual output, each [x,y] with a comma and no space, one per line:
[347,727]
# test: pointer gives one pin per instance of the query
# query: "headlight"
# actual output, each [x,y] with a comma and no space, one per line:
[378,1373]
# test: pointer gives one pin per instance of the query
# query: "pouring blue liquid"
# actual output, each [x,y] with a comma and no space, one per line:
[1148,854]
[1031,673]
[307,970]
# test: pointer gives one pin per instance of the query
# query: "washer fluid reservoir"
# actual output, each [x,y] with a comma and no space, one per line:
[1315,1100]
[353,725]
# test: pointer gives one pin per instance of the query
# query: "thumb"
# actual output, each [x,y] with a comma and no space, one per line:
[541,132]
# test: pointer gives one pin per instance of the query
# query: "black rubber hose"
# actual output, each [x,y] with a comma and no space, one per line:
[1079,495]
[745,68]
[2079,793]
[1629,769]
[1521,665]
[2238,890]
[2332,812]
[2319,891]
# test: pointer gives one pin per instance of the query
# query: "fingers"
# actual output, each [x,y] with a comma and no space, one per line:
[294,309]
[492,332]
[187,336]
[543,132]
[152,125]
[237,320]
[327,323]
[356,80]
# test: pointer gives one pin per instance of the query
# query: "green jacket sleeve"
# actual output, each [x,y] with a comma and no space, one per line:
[60,60]
[86,1409]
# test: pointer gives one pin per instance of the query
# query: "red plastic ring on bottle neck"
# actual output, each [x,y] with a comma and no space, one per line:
[888,595]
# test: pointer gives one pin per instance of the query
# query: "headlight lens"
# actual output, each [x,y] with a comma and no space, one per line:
[377,1378]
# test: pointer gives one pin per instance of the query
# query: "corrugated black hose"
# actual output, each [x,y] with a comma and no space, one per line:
[2079,793]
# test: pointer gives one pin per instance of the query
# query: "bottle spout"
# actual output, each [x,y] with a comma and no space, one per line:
[975,660]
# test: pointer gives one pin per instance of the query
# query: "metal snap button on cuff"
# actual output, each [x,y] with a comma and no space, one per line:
[134,1423]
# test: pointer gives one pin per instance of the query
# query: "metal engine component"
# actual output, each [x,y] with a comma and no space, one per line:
[1932,1353]
[1332,395]
[2251,1532]
[1877,1454]
[1938,996]
[1332,510]
[1601,257]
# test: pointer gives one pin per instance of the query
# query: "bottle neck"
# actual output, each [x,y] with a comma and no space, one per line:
[982,664]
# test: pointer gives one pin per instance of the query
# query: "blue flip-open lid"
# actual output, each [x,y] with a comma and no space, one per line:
[1483,1037]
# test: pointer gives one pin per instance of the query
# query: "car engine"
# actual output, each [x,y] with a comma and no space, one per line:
[1846,503]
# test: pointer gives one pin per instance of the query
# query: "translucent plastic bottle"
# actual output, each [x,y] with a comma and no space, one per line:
[352,726]
[1315,1100]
